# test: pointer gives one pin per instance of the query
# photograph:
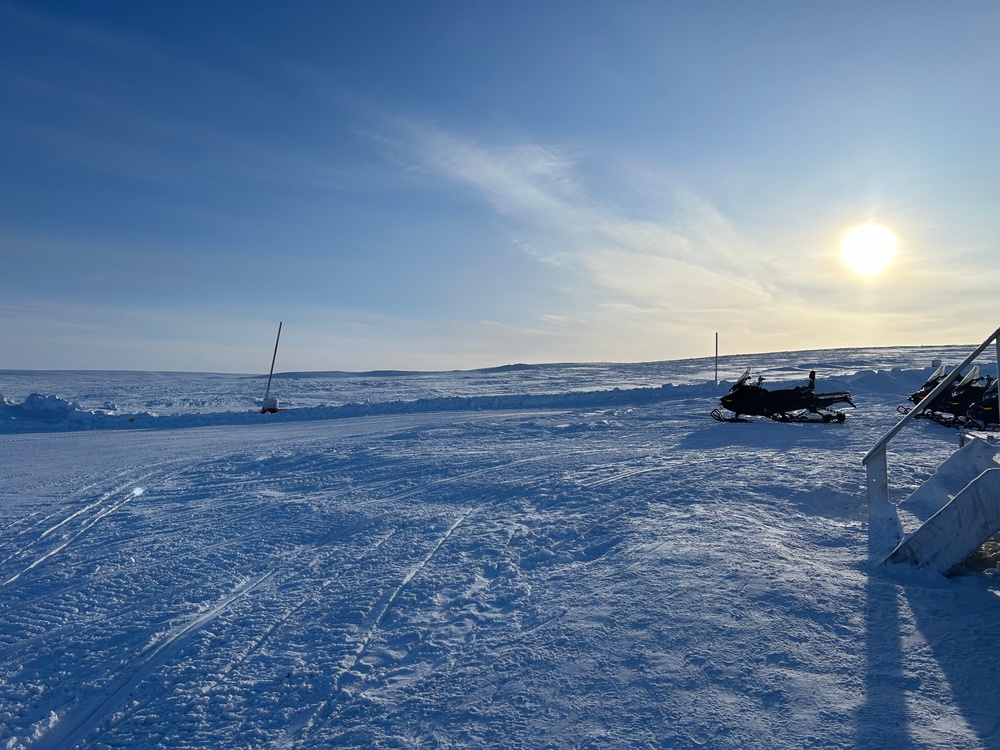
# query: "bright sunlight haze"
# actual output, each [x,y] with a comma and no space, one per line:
[868,249]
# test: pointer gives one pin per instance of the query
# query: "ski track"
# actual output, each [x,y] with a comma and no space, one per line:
[74,729]
[457,478]
[327,709]
[83,530]
[289,613]
[132,490]
[40,519]
[148,476]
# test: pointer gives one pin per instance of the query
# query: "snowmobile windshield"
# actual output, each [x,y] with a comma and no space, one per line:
[936,377]
[972,377]
[742,381]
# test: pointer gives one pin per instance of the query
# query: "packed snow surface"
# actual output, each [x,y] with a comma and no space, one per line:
[552,556]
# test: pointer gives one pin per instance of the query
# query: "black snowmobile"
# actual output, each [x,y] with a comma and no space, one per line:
[951,406]
[967,393]
[798,404]
[985,413]
[930,384]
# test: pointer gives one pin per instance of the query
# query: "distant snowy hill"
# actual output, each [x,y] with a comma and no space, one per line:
[116,400]
[551,556]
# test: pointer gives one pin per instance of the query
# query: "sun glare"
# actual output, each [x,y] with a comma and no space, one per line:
[868,249]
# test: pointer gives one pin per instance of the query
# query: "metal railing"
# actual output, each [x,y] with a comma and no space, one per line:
[876,460]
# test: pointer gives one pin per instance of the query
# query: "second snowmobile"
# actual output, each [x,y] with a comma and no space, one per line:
[985,414]
[951,407]
[936,377]
[798,404]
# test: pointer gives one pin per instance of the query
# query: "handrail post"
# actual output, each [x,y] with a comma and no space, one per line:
[884,530]
[878,480]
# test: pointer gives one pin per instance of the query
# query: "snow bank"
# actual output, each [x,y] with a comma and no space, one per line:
[54,412]
[49,409]
[39,412]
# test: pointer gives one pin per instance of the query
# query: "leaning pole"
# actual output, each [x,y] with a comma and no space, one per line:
[265,406]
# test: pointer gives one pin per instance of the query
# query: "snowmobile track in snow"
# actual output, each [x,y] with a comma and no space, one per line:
[69,731]
[131,492]
[325,711]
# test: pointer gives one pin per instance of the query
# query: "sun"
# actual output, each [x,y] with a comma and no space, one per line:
[868,249]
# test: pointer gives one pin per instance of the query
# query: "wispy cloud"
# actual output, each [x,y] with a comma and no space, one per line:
[696,260]
[530,183]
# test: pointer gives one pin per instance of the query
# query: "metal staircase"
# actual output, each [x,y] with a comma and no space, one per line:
[970,514]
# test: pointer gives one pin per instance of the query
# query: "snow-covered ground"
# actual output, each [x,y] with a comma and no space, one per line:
[518,557]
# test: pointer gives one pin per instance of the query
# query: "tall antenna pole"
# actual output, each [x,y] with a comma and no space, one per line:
[271,374]
[717,357]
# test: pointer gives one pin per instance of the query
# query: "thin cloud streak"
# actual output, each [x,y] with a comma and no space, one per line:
[533,184]
[538,187]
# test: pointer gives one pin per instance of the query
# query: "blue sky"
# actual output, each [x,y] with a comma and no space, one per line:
[441,185]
